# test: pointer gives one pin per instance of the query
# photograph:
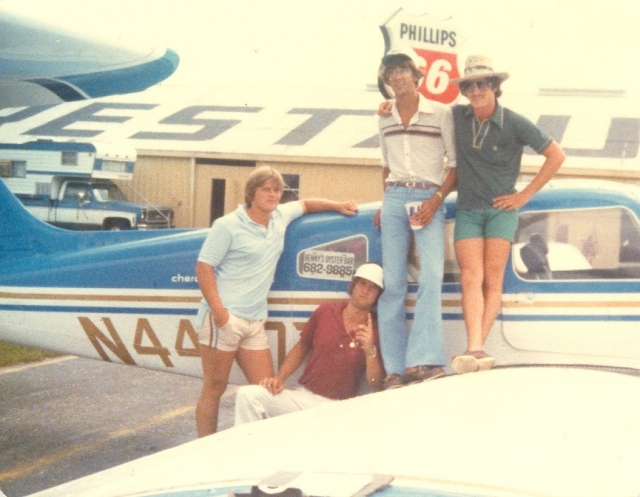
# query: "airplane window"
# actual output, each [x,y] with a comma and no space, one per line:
[581,244]
[629,239]
[336,260]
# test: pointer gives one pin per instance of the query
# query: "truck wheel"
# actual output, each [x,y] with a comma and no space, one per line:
[117,225]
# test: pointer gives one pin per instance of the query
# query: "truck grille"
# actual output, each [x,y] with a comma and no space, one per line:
[160,218]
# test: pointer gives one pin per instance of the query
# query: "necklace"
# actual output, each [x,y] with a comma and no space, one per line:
[348,324]
[353,342]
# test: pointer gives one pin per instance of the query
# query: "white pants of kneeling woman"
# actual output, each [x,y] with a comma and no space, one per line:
[254,402]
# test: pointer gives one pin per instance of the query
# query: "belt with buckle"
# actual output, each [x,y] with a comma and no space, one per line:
[413,184]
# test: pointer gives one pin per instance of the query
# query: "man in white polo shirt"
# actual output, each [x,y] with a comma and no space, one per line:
[235,270]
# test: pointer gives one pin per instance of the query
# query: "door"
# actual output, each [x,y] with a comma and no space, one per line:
[572,286]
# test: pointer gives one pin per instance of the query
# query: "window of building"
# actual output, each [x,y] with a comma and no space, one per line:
[43,188]
[13,169]
[291,190]
[69,158]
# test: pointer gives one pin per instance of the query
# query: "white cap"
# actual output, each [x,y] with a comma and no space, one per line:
[371,272]
[403,52]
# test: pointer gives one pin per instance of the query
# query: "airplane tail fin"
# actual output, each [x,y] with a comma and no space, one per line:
[22,234]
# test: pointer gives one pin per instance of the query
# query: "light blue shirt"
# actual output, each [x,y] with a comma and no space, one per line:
[244,255]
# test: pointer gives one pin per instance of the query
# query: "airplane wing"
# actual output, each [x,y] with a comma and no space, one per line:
[508,432]
[43,64]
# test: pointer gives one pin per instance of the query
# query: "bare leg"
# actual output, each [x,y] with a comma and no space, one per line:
[496,253]
[255,364]
[216,365]
[470,255]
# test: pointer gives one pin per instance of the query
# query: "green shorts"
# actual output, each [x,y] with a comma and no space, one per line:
[486,223]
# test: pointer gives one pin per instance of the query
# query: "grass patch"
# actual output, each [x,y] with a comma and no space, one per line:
[15,354]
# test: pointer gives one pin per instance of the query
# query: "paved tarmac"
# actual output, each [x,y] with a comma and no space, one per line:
[69,417]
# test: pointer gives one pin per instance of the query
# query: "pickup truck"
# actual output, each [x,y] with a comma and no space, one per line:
[94,204]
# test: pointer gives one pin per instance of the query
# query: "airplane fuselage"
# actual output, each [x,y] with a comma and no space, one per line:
[132,297]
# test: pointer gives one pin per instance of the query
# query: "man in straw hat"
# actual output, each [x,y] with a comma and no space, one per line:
[489,143]
[418,168]
[340,340]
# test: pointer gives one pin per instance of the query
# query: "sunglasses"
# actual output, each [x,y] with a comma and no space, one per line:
[482,85]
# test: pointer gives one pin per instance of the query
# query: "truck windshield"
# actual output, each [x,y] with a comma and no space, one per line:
[106,191]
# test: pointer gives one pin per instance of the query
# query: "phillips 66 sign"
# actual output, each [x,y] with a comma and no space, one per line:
[436,43]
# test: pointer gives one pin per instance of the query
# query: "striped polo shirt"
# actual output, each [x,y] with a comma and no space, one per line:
[418,152]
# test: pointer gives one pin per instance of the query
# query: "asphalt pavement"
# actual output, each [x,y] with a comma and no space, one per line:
[69,417]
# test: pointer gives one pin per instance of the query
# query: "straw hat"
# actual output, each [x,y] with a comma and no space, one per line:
[479,67]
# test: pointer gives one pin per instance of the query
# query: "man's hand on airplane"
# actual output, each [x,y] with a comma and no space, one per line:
[348,208]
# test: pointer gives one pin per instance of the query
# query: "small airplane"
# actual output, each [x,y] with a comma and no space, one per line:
[46,64]
[558,417]
[539,424]
[571,289]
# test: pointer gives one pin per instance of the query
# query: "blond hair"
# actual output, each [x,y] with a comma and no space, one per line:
[258,178]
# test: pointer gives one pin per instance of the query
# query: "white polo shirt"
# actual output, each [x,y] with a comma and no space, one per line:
[418,152]
[244,255]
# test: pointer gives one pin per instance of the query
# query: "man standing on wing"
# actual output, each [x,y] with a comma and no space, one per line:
[419,165]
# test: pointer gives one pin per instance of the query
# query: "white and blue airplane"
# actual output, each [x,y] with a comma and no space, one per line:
[559,416]
[571,289]
[46,64]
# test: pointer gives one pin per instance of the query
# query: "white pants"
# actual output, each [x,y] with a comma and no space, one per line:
[254,402]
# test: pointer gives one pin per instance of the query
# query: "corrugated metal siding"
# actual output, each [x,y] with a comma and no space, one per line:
[162,181]
[167,181]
